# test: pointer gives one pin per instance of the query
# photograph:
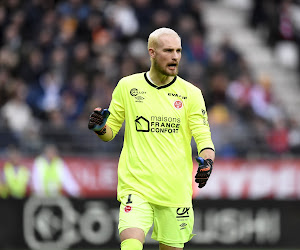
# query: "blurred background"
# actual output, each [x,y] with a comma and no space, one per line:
[59,59]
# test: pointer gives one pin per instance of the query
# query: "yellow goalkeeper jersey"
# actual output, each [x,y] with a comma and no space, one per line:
[156,159]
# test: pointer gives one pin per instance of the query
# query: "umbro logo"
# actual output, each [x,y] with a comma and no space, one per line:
[182,226]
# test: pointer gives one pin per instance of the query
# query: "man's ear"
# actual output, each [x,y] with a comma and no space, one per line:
[151,52]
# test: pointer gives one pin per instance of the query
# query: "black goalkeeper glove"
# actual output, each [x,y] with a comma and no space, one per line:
[98,120]
[204,171]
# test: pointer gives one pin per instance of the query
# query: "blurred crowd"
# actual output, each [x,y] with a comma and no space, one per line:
[279,22]
[59,59]
[47,175]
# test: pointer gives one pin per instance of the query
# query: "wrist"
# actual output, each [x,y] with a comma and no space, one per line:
[102,131]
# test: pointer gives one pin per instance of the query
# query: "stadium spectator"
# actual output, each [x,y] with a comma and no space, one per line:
[123,19]
[18,115]
[32,66]
[277,137]
[77,9]
[143,12]
[196,49]
[80,60]
[101,91]
[74,97]
[262,100]
[15,174]
[45,96]
[50,175]
[238,93]
[222,123]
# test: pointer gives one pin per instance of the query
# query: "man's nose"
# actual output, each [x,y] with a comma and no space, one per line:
[175,56]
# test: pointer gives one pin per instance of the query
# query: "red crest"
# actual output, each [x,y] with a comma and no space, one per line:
[178,104]
[127,209]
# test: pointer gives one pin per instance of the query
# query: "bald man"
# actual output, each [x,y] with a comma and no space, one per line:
[162,113]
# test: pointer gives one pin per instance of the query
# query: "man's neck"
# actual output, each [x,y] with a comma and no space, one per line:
[159,79]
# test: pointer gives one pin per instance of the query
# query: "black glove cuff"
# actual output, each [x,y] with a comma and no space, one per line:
[210,162]
[102,131]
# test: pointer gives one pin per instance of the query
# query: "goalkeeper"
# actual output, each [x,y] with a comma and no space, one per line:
[162,112]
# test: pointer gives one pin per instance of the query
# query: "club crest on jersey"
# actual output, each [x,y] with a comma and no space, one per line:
[178,104]
[127,209]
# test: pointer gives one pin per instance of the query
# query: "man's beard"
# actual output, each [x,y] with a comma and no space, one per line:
[163,71]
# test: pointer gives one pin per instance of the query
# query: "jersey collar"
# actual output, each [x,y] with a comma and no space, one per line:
[159,87]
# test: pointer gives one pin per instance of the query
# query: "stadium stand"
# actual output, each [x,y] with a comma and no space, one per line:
[59,59]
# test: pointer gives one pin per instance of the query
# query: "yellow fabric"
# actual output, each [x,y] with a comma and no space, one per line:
[156,157]
[51,174]
[172,226]
[3,191]
[137,214]
[16,179]
[131,244]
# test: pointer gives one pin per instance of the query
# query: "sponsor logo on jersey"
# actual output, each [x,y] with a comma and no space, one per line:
[137,94]
[157,124]
[177,95]
[182,215]
[134,92]
[141,124]
[182,212]
[178,104]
